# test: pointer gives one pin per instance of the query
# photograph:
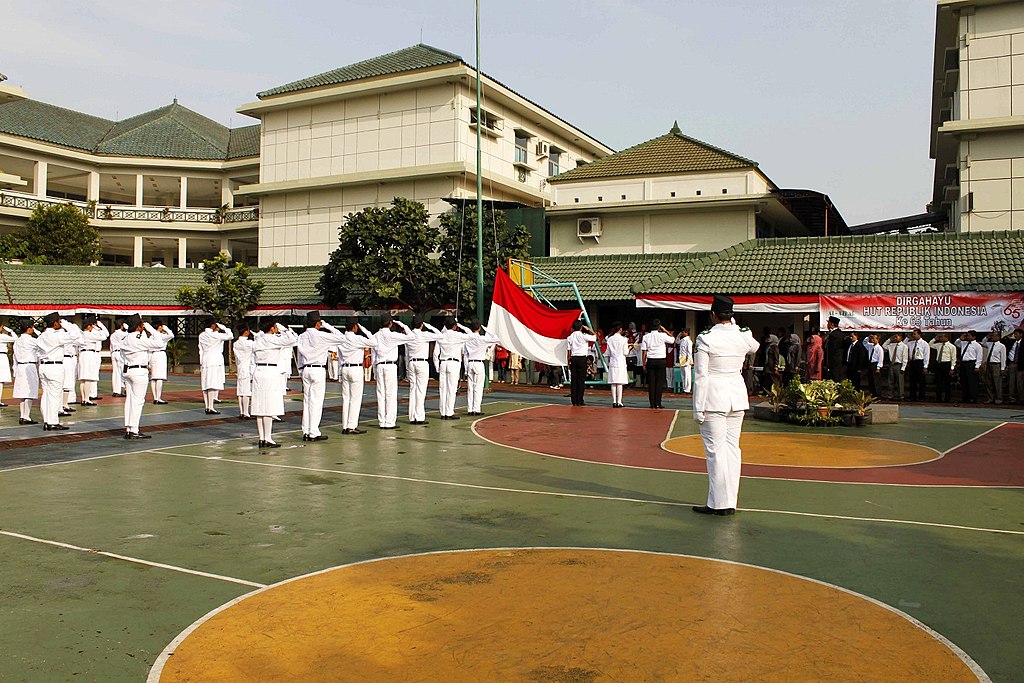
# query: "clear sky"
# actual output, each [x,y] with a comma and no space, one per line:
[831,95]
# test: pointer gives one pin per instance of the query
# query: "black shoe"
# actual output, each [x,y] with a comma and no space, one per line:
[391,427]
[96,398]
[454,417]
[321,437]
[346,431]
[307,437]
[271,444]
[160,402]
[88,403]
[72,403]
[63,413]
[357,431]
[138,435]
[68,410]
[211,411]
[721,512]
[217,400]
[23,421]
[58,427]
[3,405]
[418,422]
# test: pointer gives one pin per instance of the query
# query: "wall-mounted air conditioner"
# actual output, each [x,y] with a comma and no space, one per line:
[543,149]
[588,227]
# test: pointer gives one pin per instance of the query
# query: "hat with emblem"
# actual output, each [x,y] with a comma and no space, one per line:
[722,306]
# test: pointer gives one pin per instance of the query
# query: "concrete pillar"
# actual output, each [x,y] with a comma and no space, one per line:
[182,251]
[93,193]
[184,192]
[39,178]
[227,194]
[137,252]
[138,189]
[225,246]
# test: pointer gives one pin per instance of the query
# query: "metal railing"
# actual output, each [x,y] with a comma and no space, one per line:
[121,212]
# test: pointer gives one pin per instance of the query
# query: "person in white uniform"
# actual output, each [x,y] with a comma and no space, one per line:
[72,342]
[267,399]
[211,362]
[477,346]
[618,374]
[284,371]
[684,356]
[244,365]
[26,369]
[385,368]
[50,345]
[7,336]
[719,399]
[417,364]
[654,351]
[448,361]
[579,345]
[312,350]
[94,333]
[135,350]
[351,351]
[158,363]
[116,369]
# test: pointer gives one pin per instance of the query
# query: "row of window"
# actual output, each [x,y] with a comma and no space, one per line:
[671,194]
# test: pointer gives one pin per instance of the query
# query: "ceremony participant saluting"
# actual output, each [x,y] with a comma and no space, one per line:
[142,339]
[7,336]
[72,340]
[655,350]
[26,370]
[476,364]
[51,370]
[417,367]
[385,361]
[211,362]
[312,349]
[351,351]
[267,399]
[93,337]
[719,399]
[448,354]
[242,348]
[579,344]
[116,369]
[618,371]
[685,359]
[158,364]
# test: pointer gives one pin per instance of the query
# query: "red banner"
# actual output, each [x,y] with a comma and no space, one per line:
[930,312]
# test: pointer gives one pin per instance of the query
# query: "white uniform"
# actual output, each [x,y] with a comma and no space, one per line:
[72,341]
[89,354]
[26,373]
[158,359]
[476,365]
[350,353]
[448,353]
[417,369]
[719,399]
[314,346]
[50,345]
[134,351]
[211,357]
[685,361]
[7,336]
[116,368]
[242,348]
[267,399]
[617,350]
[385,364]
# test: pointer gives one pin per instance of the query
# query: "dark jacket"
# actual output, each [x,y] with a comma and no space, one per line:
[835,350]
[859,358]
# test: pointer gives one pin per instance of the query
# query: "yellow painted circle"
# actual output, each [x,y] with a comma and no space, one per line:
[814,450]
[558,615]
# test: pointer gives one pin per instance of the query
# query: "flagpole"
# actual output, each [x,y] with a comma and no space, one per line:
[479,185]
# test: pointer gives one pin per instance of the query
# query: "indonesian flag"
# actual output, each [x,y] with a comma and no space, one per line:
[526,326]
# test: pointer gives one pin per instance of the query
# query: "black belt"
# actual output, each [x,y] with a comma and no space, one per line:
[18,362]
[67,356]
[387,362]
[351,365]
[267,365]
[51,362]
[135,367]
[3,353]
[312,366]
[585,356]
[83,351]
[444,359]
[475,360]
[419,359]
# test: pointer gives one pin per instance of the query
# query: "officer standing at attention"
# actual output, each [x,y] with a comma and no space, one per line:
[267,398]
[385,361]
[476,364]
[312,349]
[579,343]
[719,399]
[448,355]
[142,340]
[50,347]
[26,370]
[244,365]
[116,369]
[93,336]
[72,342]
[351,351]
[158,363]
[211,362]
[655,351]
[417,353]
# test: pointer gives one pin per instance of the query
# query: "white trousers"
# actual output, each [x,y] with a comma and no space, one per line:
[687,373]
[116,374]
[450,371]
[721,435]
[51,378]
[475,384]
[136,382]
[70,374]
[387,395]
[418,372]
[314,382]
[351,396]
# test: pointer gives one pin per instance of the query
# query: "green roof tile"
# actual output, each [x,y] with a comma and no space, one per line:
[605,278]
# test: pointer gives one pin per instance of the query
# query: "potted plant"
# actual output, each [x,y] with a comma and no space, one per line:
[176,350]
[860,400]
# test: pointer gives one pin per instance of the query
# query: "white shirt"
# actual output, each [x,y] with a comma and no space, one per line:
[419,346]
[314,344]
[350,350]
[93,339]
[946,353]
[876,355]
[618,348]
[477,344]
[579,343]
[686,351]
[243,348]
[72,338]
[135,348]
[919,351]
[656,343]
[450,344]
[973,353]
[996,353]
[388,342]
[266,348]
[25,350]
[50,345]
[116,337]
[718,380]
[899,354]
[211,346]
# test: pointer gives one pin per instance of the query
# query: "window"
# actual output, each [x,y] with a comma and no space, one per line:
[576,200]
[623,196]
[522,140]
[724,191]
[492,124]
[600,199]
[554,157]
[698,193]
[671,194]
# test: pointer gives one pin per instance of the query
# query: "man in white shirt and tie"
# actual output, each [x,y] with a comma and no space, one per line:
[994,368]
[971,361]
[945,366]
[579,344]
[899,355]
[655,350]
[1015,365]
[920,354]
[685,359]
[385,368]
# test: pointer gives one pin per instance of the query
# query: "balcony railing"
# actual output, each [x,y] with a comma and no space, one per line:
[121,212]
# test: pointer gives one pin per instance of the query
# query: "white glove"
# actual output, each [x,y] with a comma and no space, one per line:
[698,416]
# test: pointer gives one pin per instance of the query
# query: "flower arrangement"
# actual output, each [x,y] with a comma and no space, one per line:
[821,402]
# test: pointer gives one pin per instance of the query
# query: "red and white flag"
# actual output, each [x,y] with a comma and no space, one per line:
[526,326]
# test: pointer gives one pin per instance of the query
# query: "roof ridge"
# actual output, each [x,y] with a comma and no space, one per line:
[721,150]
[170,111]
[695,264]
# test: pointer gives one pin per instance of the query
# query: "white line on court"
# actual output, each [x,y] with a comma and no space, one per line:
[987,431]
[135,560]
[587,496]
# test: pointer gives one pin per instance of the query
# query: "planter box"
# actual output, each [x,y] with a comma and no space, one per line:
[763,411]
[883,414]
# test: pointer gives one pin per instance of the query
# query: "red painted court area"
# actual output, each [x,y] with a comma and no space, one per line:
[633,437]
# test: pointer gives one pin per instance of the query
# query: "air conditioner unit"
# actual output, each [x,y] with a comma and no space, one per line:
[588,227]
[543,149]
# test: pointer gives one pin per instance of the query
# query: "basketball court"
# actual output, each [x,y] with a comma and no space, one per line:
[540,542]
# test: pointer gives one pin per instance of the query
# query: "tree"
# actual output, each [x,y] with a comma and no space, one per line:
[12,247]
[229,293]
[386,256]
[59,234]
[501,242]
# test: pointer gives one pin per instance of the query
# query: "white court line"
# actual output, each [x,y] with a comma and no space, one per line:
[586,496]
[135,560]
[161,661]
[975,438]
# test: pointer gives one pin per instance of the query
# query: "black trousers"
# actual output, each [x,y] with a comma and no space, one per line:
[970,379]
[655,380]
[943,382]
[872,383]
[578,378]
[915,377]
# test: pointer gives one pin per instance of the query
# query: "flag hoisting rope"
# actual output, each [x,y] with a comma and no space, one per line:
[479,184]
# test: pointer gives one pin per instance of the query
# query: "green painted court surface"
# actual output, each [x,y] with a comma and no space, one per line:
[203,499]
